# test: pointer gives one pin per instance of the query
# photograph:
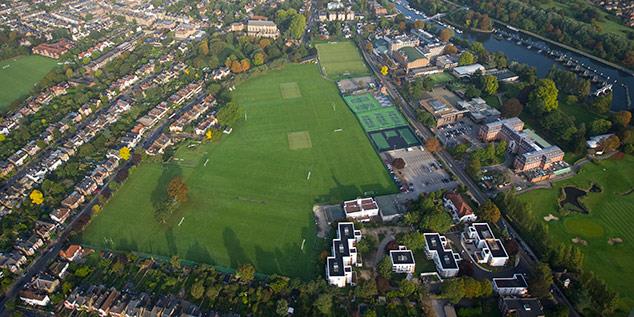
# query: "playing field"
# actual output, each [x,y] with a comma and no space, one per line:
[251,195]
[341,59]
[19,74]
[611,216]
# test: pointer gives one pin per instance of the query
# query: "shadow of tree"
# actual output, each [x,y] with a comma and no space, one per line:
[199,253]
[236,253]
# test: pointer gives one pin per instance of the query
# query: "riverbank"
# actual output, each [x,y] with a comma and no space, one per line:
[565,46]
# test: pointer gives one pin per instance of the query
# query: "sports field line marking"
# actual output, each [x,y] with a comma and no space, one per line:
[245,116]
[308,177]
[181,222]
[207,161]
[303,241]
[338,130]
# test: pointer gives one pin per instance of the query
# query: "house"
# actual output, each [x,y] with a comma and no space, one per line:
[459,209]
[490,250]
[34,298]
[515,286]
[87,186]
[344,254]
[72,253]
[53,50]
[467,70]
[12,261]
[30,246]
[443,112]
[438,250]
[595,141]
[59,268]
[479,111]
[403,260]
[60,214]
[46,283]
[521,307]
[220,73]
[447,61]
[410,58]
[18,158]
[44,229]
[262,28]
[73,200]
[361,209]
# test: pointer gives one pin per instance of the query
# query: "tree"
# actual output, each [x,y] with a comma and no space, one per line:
[602,104]
[384,70]
[212,292]
[95,209]
[511,108]
[282,307]
[543,98]
[209,134]
[177,190]
[203,48]
[298,25]
[600,126]
[622,118]
[445,35]
[37,198]
[489,212]
[398,163]
[324,304]
[540,281]
[246,273]
[384,268]
[245,64]
[413,240]
[197,290]
[473,167]
[466,58]
[437,221]
[490,84]
[69,73]
[258,59]
[611,143]
[124,153]
[175,262]
[433,145]
[406,287]
[451,49]
[236,67]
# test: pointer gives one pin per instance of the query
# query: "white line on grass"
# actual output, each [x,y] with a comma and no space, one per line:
[308,177]
[245,116]
[207,161]
[179,224]
[303,241]
[338,130]
[333,106]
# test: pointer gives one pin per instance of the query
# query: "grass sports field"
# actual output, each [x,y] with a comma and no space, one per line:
[18,74]
[341,59]
[251,195]
[611,216]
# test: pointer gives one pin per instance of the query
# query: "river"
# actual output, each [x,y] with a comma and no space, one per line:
[622,83]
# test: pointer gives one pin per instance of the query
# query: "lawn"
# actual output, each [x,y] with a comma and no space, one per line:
[251,195]
[610,217]
[441,78]
[341,59]
[19,74]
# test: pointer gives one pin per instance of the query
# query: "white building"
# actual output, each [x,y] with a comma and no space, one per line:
[361,209]
[402,260]
[438,250]
[490,249]
[34,298]
[515,285]
[344,255]
[467,70]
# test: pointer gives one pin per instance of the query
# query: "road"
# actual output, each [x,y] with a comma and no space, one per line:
[406,108]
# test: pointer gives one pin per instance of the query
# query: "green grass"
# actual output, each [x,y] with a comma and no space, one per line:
[19,74]
[579,112]
[611,215]
[441,78]
[252,202]
[609,24]
[341,59]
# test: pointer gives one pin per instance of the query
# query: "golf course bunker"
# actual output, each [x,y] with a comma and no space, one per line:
[571,199]
[290,90]
[299,140]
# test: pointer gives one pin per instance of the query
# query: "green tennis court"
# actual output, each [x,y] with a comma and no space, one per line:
[391,139]
[381,119]
[361,103]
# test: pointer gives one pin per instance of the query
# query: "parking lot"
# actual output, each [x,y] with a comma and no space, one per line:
[463,131]
[422,172]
